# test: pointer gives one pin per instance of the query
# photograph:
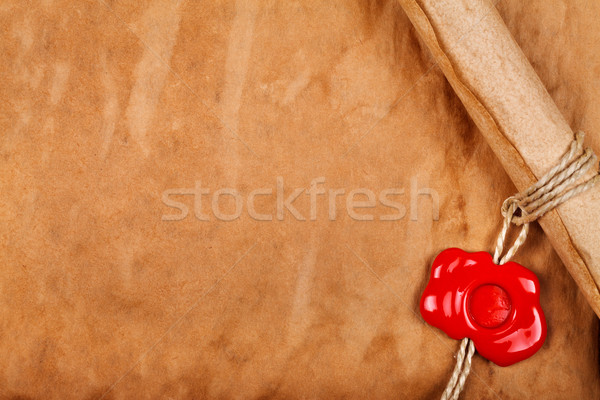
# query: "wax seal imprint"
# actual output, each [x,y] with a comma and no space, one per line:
[496,306]
[489,306]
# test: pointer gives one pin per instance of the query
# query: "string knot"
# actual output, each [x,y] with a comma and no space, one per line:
[510,206]
[564,181]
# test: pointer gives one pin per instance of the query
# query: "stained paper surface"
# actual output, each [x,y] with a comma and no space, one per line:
[107,107]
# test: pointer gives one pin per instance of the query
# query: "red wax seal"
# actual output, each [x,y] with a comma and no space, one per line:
[496,306]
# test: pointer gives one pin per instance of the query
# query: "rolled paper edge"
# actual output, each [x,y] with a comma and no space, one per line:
[517,168]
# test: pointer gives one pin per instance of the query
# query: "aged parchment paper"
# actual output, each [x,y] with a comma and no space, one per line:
[105,105]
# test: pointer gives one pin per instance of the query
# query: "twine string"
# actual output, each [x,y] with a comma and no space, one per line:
[564,181]
[461,370]
[558,185]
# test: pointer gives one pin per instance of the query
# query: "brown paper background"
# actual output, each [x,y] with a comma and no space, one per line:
[106,105]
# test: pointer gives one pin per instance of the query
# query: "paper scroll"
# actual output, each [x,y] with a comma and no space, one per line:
[517,116]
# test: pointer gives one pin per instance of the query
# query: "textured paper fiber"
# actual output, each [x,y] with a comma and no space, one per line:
[105,105]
